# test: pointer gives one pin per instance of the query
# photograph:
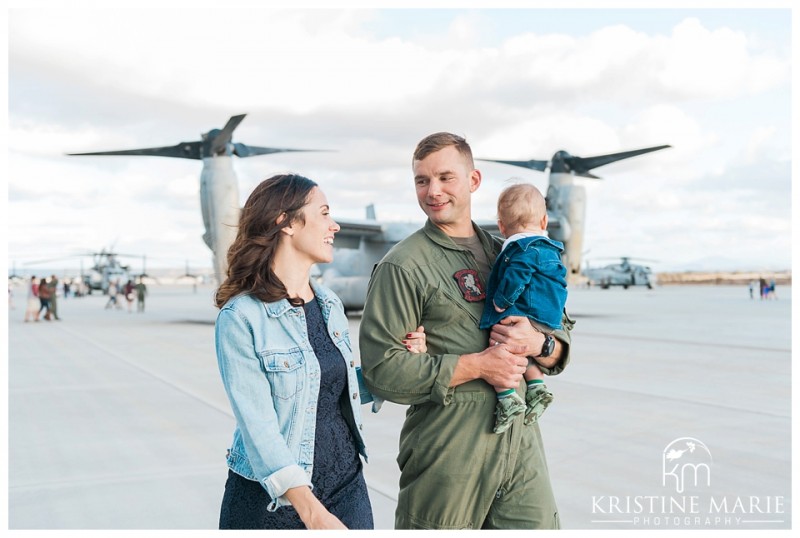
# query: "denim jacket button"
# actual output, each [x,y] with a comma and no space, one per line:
[352,363]
[355,395]
[285,364]
[336,334]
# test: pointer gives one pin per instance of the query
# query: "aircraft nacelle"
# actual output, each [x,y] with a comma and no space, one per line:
[566,205]
[558,228]
[219,203]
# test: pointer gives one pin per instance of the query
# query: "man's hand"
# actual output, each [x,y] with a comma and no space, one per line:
[518,332]
[500,366]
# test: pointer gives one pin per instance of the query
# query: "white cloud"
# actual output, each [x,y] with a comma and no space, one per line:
[85,80]
[758,144]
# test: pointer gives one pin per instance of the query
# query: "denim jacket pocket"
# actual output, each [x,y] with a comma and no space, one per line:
[284,371]
[342,338]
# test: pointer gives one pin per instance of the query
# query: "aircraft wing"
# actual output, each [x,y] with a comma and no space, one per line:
[359,228]
[352,232]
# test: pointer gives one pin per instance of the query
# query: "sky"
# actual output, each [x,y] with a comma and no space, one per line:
[368,84]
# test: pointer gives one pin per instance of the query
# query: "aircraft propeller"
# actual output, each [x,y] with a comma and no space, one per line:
[216,142]
[219,190]
[563,162]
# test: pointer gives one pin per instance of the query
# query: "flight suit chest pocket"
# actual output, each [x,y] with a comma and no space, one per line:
[448,309]
[284,371]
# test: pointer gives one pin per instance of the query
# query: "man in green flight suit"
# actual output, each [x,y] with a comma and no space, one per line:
[455,472]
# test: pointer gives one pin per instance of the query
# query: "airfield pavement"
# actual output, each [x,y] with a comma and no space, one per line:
[118,420]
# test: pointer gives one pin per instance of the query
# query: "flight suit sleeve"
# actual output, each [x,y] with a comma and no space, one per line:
[394,306]
[565,336]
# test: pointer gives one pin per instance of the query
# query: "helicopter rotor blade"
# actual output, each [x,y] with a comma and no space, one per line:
[48,260]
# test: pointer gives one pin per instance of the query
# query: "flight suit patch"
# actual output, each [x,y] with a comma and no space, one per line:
[470,285]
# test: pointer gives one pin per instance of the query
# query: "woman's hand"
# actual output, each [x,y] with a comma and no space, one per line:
[313,514]
[415,340]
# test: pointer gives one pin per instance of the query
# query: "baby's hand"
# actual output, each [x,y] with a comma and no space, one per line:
[415,340]
[497,308]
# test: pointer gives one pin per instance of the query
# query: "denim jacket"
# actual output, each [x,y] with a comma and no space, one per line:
[528,279]
[272,379]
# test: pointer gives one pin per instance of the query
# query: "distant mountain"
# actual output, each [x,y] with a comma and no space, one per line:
[722,264]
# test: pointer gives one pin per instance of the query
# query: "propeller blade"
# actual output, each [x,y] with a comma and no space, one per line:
[184,150]
[582,165]
[532,164]
[242,150]
[223,138]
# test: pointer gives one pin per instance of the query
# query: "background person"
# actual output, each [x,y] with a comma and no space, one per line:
[113,292]
[141,293]
[53,286]
[32,303]
[44,300]
[128,292]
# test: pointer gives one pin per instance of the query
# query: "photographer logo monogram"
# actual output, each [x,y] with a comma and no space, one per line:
[686,458]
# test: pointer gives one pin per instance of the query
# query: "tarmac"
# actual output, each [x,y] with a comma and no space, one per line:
[674,413]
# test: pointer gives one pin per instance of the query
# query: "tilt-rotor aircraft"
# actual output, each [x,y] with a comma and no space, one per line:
[360,245]
[219,188]
[566,201]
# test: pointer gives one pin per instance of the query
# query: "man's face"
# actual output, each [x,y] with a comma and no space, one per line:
[444,181]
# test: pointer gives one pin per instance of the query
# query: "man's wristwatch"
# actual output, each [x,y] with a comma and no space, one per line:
[548,346]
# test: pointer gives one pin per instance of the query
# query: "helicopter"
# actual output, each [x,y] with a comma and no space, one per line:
[624,273]
[106,268]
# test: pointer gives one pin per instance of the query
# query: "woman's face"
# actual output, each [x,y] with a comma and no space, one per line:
[314,238]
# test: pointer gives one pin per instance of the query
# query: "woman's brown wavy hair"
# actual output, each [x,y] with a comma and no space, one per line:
[280,197]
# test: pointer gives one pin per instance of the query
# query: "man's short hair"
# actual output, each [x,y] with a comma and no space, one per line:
[435,142]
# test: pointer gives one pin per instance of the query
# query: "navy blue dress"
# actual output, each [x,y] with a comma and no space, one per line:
[337,477]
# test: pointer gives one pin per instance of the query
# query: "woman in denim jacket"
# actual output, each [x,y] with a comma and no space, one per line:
[284,354]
